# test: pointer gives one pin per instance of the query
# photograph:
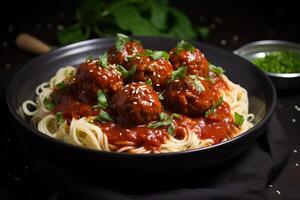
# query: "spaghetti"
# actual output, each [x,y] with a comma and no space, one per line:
[108,107]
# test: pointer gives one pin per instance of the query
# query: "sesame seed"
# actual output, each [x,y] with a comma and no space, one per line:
[295,150]
[270,185]
[297,108]
[293,120]
[278,192]
[297,164]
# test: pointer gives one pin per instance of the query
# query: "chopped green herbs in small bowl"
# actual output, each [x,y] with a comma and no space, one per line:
[280,60]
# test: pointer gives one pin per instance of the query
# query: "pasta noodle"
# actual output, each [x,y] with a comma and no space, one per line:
[83,132]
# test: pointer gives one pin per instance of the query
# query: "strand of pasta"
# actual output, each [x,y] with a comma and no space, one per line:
[83,133]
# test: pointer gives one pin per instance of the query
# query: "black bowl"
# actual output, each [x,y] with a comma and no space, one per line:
[261,92]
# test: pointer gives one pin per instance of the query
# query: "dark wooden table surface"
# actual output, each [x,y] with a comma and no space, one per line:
[232,24]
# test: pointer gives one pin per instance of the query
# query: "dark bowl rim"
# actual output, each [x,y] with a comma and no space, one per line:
[33,130]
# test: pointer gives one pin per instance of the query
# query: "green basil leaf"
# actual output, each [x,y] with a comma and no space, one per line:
[61,85]
[48,104]
[179,73]
[103,60]
[148,82]
[182,26]
[214,107]
[59,118]
[159,123]
[197,83]
[184,45]
[238,119]
[121,41]
[103,116]
[129,18]
[159,14]
[102,100]
[126,73]
[73,34]
[160,96]
[203,31]
[163,116]
[171,129]
[216,70]
[175,115]
[166,120]
[156,55]
[89,58]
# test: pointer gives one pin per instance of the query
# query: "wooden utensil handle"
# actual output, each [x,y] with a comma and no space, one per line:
[31,44]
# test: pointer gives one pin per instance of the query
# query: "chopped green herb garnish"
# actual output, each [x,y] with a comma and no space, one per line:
[197,83]
[89,58]
[59,118]
[103,60]
[165,120]
[61,85]
[103,116]
[163,116]
[156,55]
[179,73]
[159,123]
[48,104]
[149,82]
[126,73]
[216,70]
[279,62]
[184,45]
[214,107]
[238,119]
[121,41]
[102,100]
[160,96]
[171,129]
[209,78]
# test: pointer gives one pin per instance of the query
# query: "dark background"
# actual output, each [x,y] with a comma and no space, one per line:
[232,24]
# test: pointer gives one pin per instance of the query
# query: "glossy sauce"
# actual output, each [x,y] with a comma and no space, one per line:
[136,136]
[138,104]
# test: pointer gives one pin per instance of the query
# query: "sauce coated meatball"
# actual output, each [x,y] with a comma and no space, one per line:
[183,96]
[159,71]
[136,104]
[90,77]
[130,49]
[194,60]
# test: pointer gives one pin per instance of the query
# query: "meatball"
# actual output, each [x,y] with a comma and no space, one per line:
[159,71]
[136,104]
[90,77]
[194,60]
[183,96]
[130,49]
